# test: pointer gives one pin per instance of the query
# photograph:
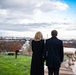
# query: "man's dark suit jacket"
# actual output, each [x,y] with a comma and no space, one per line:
[54,52]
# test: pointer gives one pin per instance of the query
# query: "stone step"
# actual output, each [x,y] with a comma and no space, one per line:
[64,70]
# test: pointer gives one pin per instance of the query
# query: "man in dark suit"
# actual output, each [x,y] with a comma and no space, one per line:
[54,54]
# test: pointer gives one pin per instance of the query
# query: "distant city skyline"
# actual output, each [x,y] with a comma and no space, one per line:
[23,18]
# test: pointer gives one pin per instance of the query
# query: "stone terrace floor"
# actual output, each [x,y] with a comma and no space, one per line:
[65,70]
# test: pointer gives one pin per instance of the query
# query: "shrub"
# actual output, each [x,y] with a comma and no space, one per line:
[11,53]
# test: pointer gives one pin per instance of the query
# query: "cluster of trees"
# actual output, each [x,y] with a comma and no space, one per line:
[10,46]
[70,45]
[13,46]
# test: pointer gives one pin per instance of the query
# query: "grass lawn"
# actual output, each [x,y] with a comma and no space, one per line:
[11,66]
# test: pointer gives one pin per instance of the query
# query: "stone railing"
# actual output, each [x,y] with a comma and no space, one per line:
[70,52]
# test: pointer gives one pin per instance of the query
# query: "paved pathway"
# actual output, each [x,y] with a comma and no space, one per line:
[65,70]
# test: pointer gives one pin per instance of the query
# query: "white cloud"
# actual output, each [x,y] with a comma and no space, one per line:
[16,3]
[3,13]
[50,6]
[29,10]
[24,17]
[63,32]
[29,6]
[16,33]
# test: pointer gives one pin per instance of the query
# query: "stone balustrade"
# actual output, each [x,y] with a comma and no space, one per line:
[70,52]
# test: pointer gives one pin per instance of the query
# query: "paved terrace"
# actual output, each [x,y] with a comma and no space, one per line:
[65,69]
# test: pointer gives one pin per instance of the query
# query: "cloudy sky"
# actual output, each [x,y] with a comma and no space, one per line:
[23,18]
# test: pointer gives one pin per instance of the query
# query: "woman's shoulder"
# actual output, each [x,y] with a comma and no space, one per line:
[42,40]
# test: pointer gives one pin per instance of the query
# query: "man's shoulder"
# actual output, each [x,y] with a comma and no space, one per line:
[60,40]
[48,39]
[52,39]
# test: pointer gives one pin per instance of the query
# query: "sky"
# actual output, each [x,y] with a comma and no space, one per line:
[23,18]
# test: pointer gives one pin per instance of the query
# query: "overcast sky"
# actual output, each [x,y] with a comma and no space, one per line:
[23,18]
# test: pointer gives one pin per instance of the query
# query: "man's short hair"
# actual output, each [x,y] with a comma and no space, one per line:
[54,32]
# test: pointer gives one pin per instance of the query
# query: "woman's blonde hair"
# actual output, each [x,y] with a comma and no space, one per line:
[38,36]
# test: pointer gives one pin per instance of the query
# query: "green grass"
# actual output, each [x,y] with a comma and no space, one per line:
[11,66]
